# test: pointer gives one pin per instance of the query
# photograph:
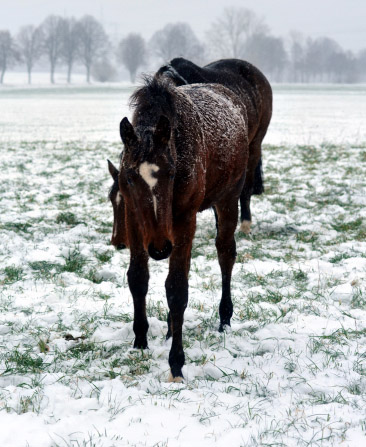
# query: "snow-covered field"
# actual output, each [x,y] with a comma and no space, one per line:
[290,372]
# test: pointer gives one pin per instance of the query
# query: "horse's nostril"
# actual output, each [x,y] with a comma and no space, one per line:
[120,246]
[160,254]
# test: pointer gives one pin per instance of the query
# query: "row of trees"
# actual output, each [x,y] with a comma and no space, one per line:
[57,39]
[238,33]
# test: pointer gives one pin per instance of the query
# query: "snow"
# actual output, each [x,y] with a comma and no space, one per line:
[290,371]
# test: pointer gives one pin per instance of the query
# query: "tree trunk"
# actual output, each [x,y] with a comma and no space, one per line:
[133,76]
[88,74]
[52,74]
[69,69]
[29,76]
[2,75]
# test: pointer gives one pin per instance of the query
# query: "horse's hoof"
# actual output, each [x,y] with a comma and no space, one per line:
[224,327]
[178,379]
[140,345]
[245,226]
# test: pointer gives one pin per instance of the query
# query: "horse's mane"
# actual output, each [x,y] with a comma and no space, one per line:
[156,94]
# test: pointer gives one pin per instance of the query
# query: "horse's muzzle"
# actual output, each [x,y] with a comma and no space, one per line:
[120,246]
[160,254]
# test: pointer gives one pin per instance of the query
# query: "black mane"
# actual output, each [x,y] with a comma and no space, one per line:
[156,96]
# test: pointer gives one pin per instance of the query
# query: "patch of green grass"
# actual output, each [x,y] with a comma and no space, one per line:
[93,276]
[17,227]
[299,275]
[252,311]
[68,218]
[74,262]
[138,362]
[23,363]
[12,274]
[339,257]
[353,225]
[359,299]
[157,309]
[61,197]
[308,237]
[45,269]
[105,256]
[79,350]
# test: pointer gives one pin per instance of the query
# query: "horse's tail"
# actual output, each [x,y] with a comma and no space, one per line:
[258,187]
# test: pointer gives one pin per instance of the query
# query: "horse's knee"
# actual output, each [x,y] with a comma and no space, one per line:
[176,287]
[226,248]
[138,279]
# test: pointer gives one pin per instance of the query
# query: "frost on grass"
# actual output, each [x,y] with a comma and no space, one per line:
[290,371]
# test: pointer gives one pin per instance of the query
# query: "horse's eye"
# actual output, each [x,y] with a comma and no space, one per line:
[129,181]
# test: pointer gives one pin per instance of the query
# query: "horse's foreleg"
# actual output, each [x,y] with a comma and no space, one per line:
[176,286]
[169,322]
[138,279]
[226,251]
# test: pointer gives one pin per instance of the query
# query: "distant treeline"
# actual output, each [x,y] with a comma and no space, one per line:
[239,33]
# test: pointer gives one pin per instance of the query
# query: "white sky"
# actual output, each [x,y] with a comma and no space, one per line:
[343,20]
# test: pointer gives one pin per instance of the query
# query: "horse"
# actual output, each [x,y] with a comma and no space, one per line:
[185,151]
[254,90]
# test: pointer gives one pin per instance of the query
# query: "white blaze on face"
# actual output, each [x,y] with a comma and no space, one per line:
[146,171]
[118,198]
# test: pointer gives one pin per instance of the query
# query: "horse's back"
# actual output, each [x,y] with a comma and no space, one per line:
[214,125]
[240,76]
[252,85]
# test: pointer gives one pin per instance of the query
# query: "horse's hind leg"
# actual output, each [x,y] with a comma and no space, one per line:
[253,184]
[226,251]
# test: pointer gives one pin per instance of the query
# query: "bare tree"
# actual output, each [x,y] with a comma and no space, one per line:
[93,42]
[228,34]
[8,53]
[361,65]
[52,29]
[30,41]
[267,53]
[177,39]
[103,70]
[70,44]
[319,53]
[132,53]
[296,57]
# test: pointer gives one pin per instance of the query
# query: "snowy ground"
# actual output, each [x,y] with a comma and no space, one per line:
[291,372]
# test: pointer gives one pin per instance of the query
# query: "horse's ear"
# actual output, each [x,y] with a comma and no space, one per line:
[127,133]
[112,170]
[162,130]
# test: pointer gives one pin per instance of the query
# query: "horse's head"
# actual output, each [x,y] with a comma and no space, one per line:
[118,234]
[146,181]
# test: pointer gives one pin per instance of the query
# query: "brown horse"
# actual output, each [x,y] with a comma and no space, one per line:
[185,151]
[254,90]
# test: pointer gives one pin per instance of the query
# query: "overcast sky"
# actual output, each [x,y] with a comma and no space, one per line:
[343,20]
